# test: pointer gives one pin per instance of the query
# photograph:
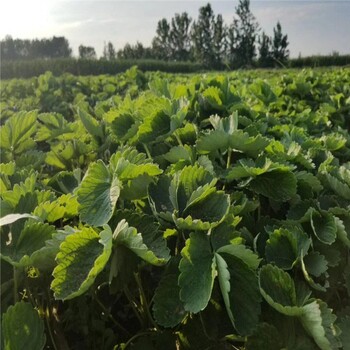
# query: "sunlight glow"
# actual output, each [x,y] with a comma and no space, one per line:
[26,19]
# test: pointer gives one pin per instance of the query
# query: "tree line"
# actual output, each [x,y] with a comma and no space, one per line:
[206,40]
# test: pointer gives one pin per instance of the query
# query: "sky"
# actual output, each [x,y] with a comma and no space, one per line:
[313,27]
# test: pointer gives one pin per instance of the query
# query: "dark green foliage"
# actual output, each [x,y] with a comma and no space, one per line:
[159,211]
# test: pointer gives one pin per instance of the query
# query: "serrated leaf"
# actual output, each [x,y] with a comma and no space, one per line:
[130,238]
[316,264]
[318,321]
[22,328]
[277,185]
[212,208]
[15,135]
[340,188]
[239,287]
[344,325]
[278,289]
[8,168]
[91,124]
[190,178]
[32,238]
[178,153]
[285,246]
[11,218]
[168,309]
[212,141]
[323,226]
[241,252]
[82,256]
[342,233]
[197,268]
[265,337]
[98,194]
[251,146]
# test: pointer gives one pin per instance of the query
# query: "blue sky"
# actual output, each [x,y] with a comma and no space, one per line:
[313,27]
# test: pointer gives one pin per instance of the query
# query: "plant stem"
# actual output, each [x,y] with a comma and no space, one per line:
[147,150]
[178,139]
[15,285]
[107,312]
[143,299]
[47,319]
[135,337]
[133,305]
[228,162]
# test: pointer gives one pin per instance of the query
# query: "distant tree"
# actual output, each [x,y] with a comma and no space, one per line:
[231,46]
[280,43]
[202,36]
[58,47]
[246,30]
[161,42]
[54,47]
[265,53]
[109,52]
[137,51]
[179,37]
[219,41]
[87,52]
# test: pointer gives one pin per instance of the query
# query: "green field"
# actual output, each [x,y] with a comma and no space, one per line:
[159,211]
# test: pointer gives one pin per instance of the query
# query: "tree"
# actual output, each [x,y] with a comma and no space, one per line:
[161,42]
[202,36]
[55,47]
[265,53]
[246,30]
[219,41]
[109,52]
[87,52]
[133,52]
[179,37]
[280,43]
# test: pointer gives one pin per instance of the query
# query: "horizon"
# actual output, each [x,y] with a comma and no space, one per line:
[93,23]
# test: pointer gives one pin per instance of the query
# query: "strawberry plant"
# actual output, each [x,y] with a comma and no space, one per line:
[200,212]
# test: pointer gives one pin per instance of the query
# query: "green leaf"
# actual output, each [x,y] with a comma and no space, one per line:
[190,178]
[130,238]
[15,135]
[239,287]
[11,218]
[317,265]
[277,185]
[168,309]
[82,256]
[285,246]
[265,337]
[340,188]
[197,275]
[324,226]
[210,209]
[160,200]
[277,288]
[251,146]
[22,328]
[91,125]
[212,141]
[32,238]
[344,325]
[98,194]
[241,252]
[154,127]
[318,321]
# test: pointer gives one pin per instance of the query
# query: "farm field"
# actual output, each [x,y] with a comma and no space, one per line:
[159,211]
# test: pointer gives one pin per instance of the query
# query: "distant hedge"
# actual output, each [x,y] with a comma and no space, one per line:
[32,68]
[319,61]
